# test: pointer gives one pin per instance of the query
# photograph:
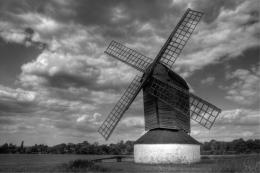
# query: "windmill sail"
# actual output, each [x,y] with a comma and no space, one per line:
[167,94]
[122,105]
[203,112]
[179,37]
[174,101]
[200,110]
[128,56]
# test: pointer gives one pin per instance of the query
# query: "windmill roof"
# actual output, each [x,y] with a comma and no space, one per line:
[166,136]
[178,79]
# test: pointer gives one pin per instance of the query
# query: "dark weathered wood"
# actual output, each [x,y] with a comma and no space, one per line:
[150,115]
[166,136]
[168,117]
[159,114]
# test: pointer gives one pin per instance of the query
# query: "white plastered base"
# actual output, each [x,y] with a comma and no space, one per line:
[166,153]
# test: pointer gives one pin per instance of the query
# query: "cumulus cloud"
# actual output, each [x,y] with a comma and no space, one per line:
[78,124]
[71,80]
[18,94]
[75,59]
[214,8]
[133,122]
[59,70]
[208,81]
[9,32]
[245,86]
[224,38]
[231,124]
[239,117]
[95,118]
[16,101]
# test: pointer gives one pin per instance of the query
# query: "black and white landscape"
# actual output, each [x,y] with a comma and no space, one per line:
[57,85]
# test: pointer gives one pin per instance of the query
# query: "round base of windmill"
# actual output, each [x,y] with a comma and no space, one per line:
[163,146]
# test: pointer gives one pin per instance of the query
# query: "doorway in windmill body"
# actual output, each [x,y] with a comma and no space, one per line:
[168,104]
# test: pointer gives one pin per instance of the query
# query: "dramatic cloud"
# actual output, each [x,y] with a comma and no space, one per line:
[16,101]
[245,87]
[67,90]
[10,33]
[214,8]
[226,37]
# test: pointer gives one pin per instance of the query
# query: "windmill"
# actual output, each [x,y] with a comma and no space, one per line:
[168,104]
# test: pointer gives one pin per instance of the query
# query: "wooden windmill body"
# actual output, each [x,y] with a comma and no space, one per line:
[159,114]
[167,140]
[168,104]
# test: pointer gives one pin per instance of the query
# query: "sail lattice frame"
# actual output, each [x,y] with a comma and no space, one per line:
[122,105]
[168,94]
[200,110]
[128,56]
[179,37]
[203,112]
[189,105]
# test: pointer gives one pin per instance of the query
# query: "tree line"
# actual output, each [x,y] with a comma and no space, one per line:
[238,146]
[70,148]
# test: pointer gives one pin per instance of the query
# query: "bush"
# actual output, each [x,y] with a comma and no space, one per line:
[83,165]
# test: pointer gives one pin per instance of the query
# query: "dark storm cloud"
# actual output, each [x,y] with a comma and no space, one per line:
[88,12]
[112,15]
[91,12]
[119,17]
[7,121]
[18,102]
[87,78]
[66,80]
[22,6]
[12,107]
[114,18]
[65,94]
[212,9]
[10,8]
[73,79]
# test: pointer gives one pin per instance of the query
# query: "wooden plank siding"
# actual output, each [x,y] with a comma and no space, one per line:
[150,115]
[158,114]
[164,117]
[171,119]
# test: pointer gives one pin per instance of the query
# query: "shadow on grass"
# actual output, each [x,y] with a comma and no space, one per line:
[80,165]
[235,164]
[244,164]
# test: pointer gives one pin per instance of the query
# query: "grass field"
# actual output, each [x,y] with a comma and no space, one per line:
[64,163]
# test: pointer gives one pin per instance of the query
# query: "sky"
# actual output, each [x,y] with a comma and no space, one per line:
[57,85]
